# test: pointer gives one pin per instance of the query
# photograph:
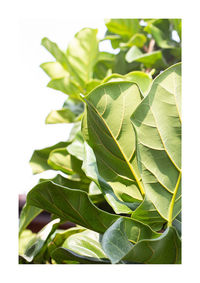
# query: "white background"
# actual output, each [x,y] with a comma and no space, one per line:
[25,101]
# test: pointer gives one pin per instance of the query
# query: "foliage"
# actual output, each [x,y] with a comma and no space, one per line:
[120,169]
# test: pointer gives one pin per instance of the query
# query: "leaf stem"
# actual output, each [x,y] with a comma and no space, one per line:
[170,217]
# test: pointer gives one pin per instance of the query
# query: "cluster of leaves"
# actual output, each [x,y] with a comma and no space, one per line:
[120,169]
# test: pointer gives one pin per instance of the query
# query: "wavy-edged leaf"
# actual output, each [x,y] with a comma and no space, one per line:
[90,168]
[107,129]
[120,238]
[25,238]
[28,213]
[60,159]
[60,236]
[157,122]
[147,214]
[38,161]
[70,204]
[142,79]
[62,255]
[166,249]
[129,241]
[137,39]
[152,59]
[82,184]
[85,243]
[82,54]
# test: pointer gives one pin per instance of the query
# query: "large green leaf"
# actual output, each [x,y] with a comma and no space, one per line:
[166,249]
[107,129]
[157,121]
[90,168]
[70,204]
[39,158]
[82,55]
[129,241]
[28,213]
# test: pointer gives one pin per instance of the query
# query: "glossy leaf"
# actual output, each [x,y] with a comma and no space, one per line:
[61,235]
[39,158]
[129,241]
[70,204]
[118,240]
[85,243]
[157,122]
[108,130]
[154,59]
[25,238]
[164,250]
[28,213]
[137,39]
[62,255]
[90,168]
[147,214]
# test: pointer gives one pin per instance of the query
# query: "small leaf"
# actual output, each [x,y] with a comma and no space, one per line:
[60,116]
[39,157]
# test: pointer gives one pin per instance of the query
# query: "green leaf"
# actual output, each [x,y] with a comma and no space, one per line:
[160,30]
[62,255]
[157,121]
[70,183]
[152,59]
[85,243]
[36,244]
[54,70]
[124,27]
[118,240]
[90,168]
[76,148]
[53,48]
[147,214]
[60,159]
[60,236]
[60,116]
[143,80]
[107,129]
[137,39]
[66,85]
[129,241]
[177,23]
[70,205]
[166,249]
[28,213]
[25,238]
[39,158]
[82,54]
